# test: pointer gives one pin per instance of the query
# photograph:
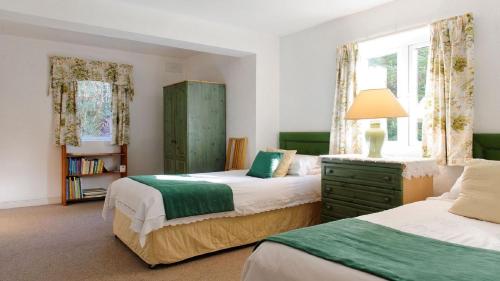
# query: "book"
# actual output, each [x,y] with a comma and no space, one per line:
[73,188]
[82,166]
[94,192]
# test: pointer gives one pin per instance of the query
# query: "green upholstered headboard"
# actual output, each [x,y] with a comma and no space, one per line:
[486,146]
[310,143]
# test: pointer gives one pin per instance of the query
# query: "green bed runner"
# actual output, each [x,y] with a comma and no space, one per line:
[392,254]
[190,198]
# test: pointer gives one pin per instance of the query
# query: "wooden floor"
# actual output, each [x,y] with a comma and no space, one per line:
[74,243]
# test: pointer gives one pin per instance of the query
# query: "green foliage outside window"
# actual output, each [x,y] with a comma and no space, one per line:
[422,58]
[390,63]
[94,110]
[419,130]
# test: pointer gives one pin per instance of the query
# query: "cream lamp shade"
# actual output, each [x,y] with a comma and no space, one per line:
[375,103]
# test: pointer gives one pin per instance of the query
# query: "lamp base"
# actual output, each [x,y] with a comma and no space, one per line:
[376,136]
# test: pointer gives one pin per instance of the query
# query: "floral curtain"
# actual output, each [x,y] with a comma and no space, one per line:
[65,72]
[447,125]
[345,135]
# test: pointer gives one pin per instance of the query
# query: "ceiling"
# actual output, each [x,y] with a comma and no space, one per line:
[278,17]
[45,33]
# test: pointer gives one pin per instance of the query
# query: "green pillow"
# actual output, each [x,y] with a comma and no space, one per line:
[265,164]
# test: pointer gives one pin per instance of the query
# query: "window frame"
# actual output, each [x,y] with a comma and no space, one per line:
[85,138]
[405,45]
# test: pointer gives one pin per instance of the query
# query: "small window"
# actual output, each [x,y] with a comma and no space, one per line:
[93,103]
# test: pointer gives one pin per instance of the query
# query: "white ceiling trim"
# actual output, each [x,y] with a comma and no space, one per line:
[276,17]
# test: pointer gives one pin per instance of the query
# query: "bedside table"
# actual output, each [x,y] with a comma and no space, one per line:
[353,185]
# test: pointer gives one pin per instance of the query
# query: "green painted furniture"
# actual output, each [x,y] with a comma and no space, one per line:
[486,146]
[309,143]
[352,188]
[194,127]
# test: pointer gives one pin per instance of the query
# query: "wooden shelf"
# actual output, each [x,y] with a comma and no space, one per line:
[78,155]
[94,175]
[123,157]
[86,199]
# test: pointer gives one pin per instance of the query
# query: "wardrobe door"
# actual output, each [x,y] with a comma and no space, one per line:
[207,127]
[180,125]
[169,129]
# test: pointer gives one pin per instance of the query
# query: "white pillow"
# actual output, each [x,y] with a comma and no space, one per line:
[456,188]
[480,192]
[315,171]
[305,165]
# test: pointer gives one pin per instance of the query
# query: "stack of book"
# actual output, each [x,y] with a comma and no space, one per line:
[82,166]
[73,188]
[94,192]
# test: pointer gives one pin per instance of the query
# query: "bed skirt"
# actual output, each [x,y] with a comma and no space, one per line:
[175,243]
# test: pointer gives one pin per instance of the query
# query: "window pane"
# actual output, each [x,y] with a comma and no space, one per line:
[390,64]
[422,59]
[94,110]
[422,55]
[392,129]
[419,130]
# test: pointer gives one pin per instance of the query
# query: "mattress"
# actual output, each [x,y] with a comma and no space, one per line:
[430,218]
[144,204]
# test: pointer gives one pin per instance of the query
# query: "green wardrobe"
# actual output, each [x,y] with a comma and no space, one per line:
[194,127]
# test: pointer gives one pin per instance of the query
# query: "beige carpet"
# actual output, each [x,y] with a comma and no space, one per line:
[74,243]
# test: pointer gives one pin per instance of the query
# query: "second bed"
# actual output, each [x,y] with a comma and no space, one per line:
[262,207]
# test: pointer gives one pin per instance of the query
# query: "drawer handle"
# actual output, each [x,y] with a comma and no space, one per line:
[328,189]
[328,207]
[329,171]
[387,199]
[387,178]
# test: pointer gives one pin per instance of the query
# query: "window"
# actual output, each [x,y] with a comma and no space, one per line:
[93,103]
[398,62]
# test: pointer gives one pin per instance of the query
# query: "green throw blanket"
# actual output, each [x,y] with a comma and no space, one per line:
[190,198]
[392,254]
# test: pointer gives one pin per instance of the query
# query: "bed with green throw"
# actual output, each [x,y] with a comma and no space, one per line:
[169,218]
[420,241]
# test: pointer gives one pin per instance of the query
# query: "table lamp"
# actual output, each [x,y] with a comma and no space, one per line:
[375,104]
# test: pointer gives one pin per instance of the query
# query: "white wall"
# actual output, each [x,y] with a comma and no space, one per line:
[140,23]
[29,159]
[239,76]
[308,62]
[259,53]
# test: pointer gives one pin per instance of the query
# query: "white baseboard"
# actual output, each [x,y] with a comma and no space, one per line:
[29,203]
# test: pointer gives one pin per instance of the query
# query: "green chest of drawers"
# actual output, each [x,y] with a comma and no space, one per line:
[352,188]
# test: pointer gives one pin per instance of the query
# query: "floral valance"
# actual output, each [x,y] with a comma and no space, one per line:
[68,69]
[65,72]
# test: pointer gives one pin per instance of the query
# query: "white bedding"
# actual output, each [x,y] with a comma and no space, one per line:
[277,262]
[144,204]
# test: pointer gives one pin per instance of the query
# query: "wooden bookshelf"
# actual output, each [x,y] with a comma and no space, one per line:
[76,155]
[65,156]
[95,175]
